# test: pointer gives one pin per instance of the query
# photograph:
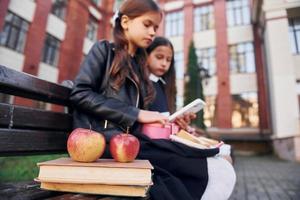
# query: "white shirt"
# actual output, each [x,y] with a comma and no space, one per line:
[155,78]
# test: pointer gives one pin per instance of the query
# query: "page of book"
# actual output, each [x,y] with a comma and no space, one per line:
[115,190]
[193,107]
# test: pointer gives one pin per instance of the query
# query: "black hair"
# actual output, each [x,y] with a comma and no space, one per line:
[170,75]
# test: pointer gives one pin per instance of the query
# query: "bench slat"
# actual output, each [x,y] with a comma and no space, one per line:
[24,85]
[25,191]
[23,117]
[74,196]
[25,130]
[18,141]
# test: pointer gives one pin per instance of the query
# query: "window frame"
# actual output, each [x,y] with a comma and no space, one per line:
[238,12]
[200,15]
[179,64]
[210,111]
[6,98]
[173,22]
[294,33]
[212,70]
[20,27]
[92,23]
[246,54]
[51,50]
[59,9]
[97,3]
[246,97]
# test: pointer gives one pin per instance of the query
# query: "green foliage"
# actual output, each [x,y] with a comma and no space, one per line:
[22,168]
[193,87]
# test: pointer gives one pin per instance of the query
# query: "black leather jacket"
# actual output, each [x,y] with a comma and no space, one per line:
[98,106]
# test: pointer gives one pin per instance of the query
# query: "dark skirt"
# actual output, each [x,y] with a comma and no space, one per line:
[180,172]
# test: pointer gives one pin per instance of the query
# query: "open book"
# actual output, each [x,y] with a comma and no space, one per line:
[193,107]
[196,142]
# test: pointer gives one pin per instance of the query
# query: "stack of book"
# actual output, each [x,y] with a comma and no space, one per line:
[105,177]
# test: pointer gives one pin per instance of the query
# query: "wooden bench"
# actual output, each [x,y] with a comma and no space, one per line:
[30,131]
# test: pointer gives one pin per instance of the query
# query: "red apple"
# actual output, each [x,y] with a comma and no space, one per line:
[124,147]
[85,145]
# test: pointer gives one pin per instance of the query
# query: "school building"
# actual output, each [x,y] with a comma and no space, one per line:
[250,50]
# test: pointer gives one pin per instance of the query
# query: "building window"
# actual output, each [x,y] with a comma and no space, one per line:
[117,4]
[43,105]
[59,8]
[14,32]
[207,59]
[51,50]
[174,24]
[210,111]
[203,18]
[92,29]
[179,64]
[238,12]
[96,2]
[242,58]
[294,30]
[5,98]
[245,110]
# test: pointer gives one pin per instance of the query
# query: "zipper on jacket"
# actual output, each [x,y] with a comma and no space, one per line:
[105,124]
[137,99]
[138,93]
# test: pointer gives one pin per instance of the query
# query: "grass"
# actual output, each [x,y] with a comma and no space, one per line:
[22,168]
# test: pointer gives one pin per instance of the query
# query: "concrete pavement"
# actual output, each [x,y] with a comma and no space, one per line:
[266,178]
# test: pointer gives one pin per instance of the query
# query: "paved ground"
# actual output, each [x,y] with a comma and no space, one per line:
[266,178]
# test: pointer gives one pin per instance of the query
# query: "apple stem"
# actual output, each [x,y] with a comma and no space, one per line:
[127,131]
[90,127]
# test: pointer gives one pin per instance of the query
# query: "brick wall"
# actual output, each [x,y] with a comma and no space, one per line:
[71,48]
[188,30]
[3,10]
[222,58]
[36,37]
[35,43]
[264,110]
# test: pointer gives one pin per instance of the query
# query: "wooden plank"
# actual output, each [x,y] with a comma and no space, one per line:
[29,118]
[18,141]
[28,86]
[4,115]
[29,190]
[26,190]
[74,196]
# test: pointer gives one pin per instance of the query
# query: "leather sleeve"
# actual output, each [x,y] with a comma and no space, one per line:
[86,97]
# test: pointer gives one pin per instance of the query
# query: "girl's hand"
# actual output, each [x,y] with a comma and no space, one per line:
[146,116]
[184,120]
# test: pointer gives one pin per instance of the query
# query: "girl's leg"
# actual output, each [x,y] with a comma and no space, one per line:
[221,179]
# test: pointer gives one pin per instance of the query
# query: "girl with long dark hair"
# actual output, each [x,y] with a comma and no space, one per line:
[112,93]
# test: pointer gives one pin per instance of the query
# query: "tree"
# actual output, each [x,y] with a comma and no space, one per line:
[193,87]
